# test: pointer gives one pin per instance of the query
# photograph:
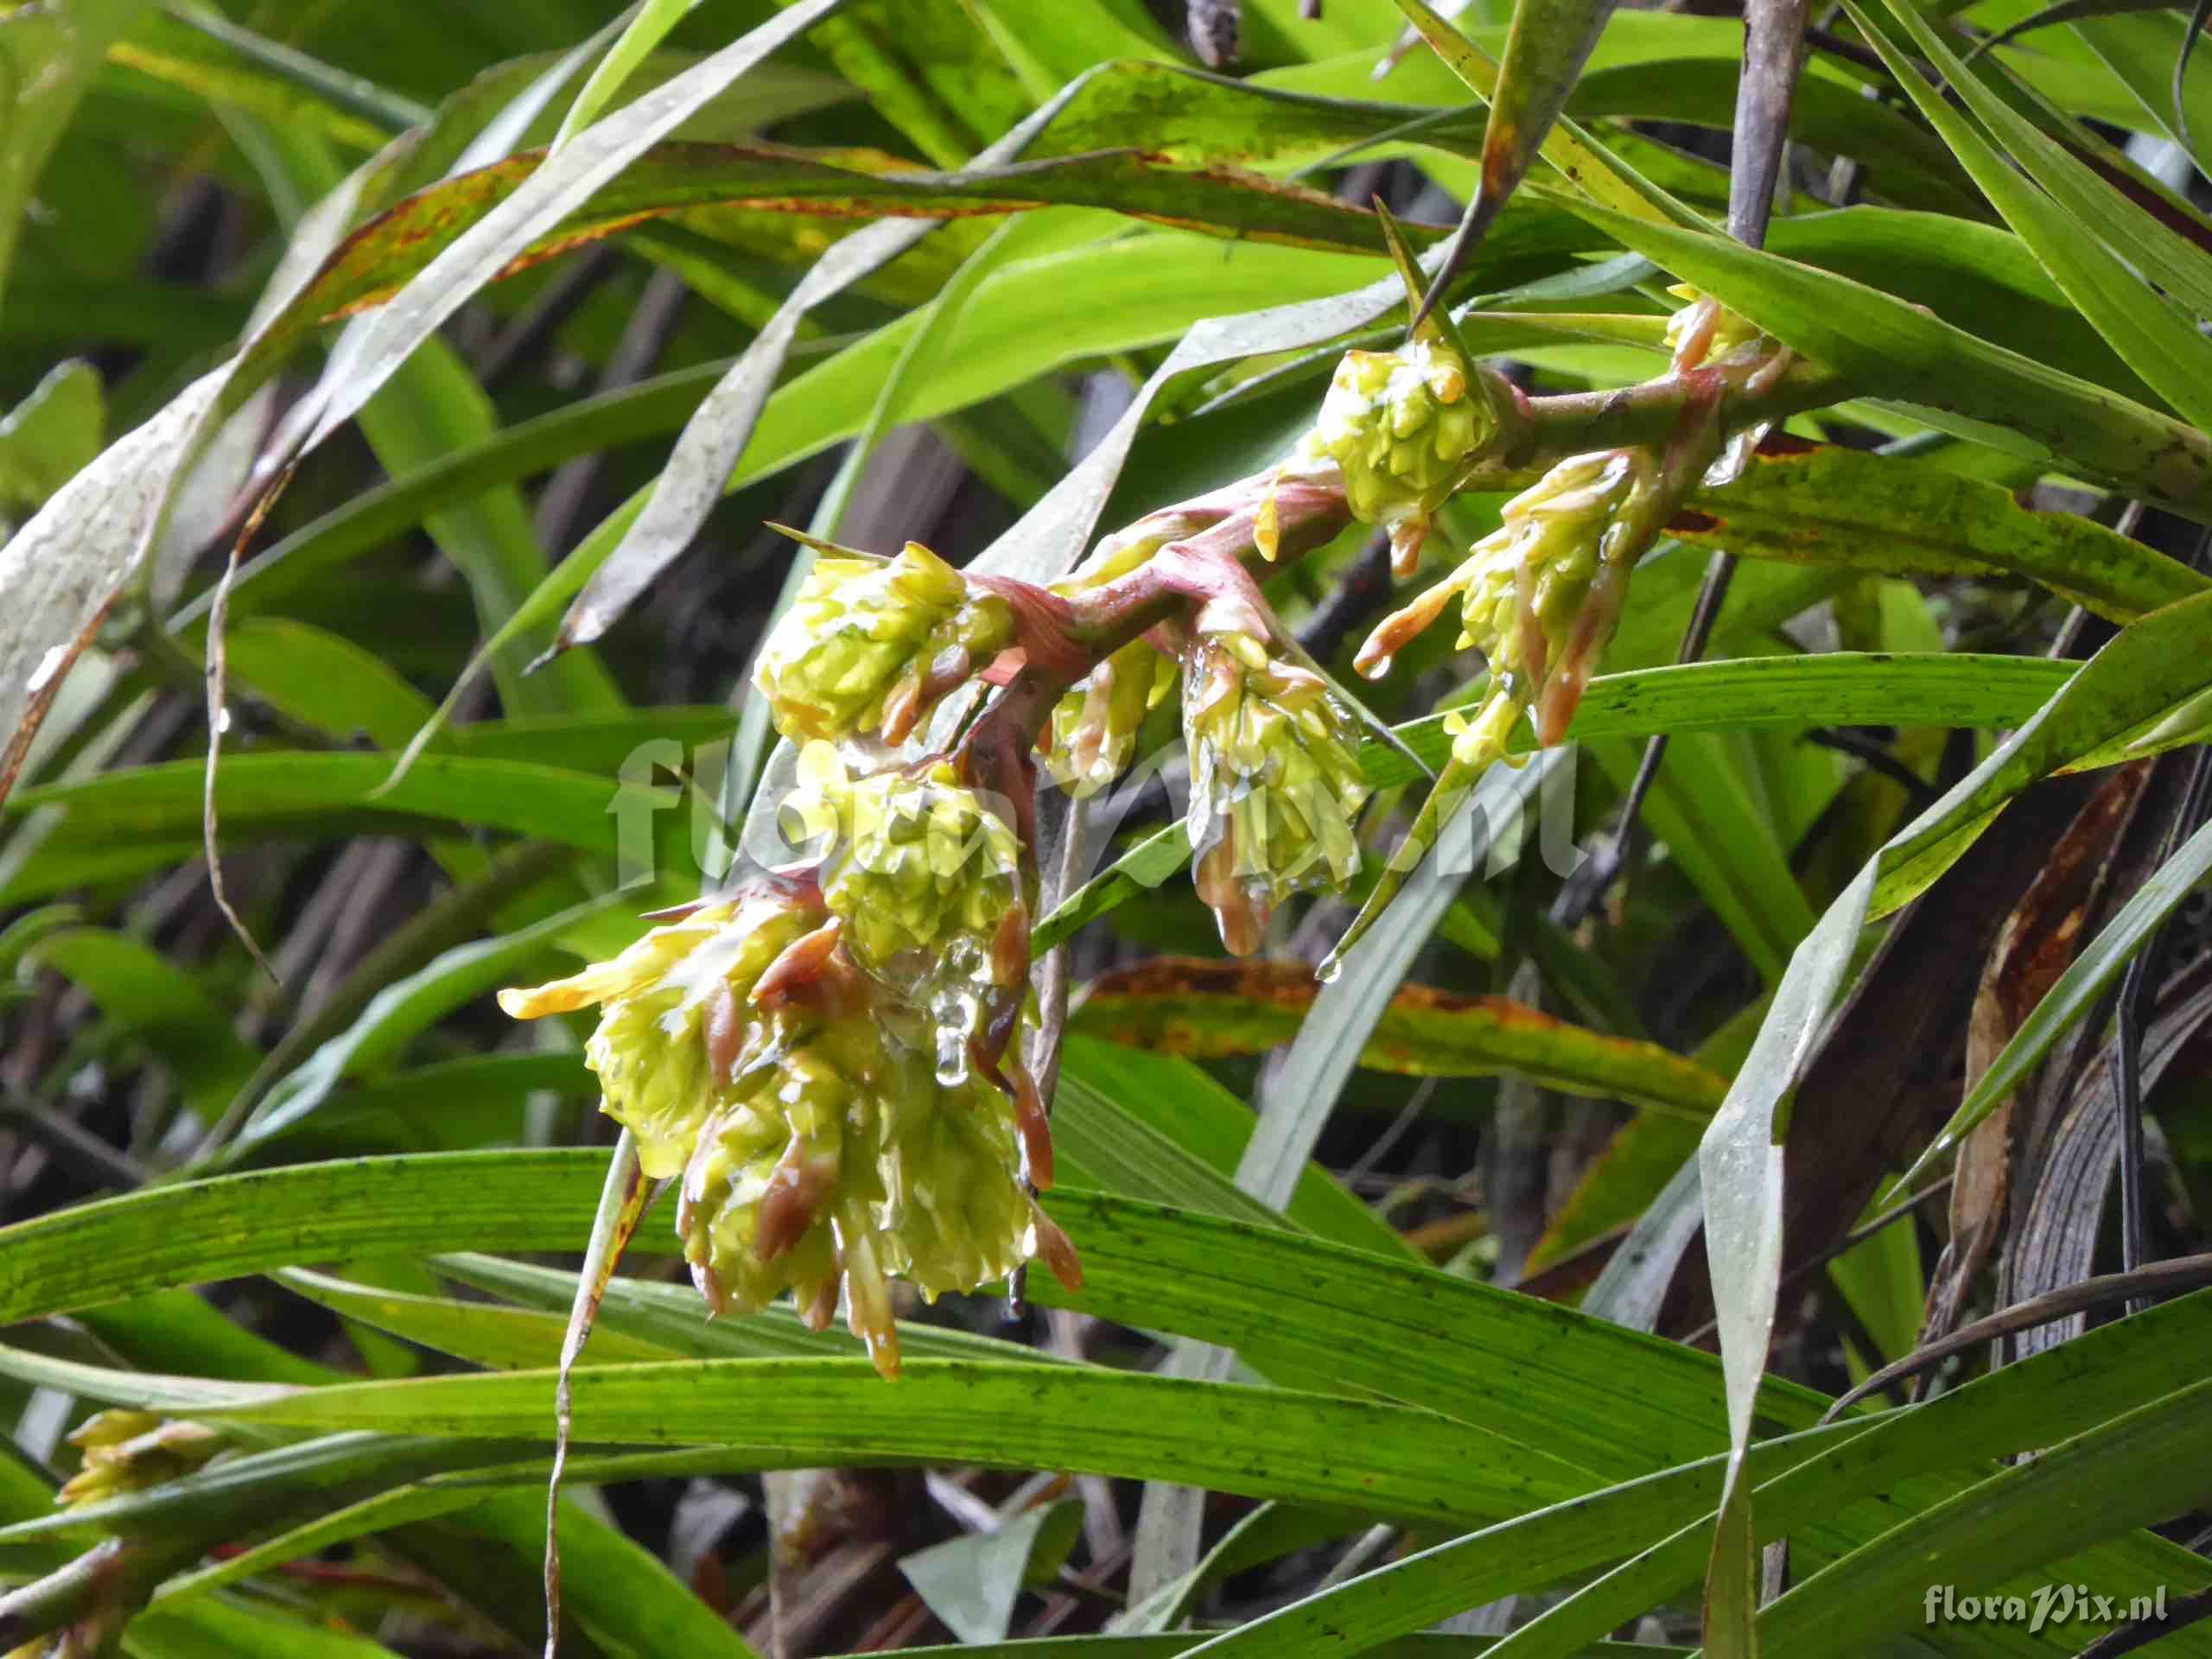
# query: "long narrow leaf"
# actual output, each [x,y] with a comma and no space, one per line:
[2147,330]
[2069,1000]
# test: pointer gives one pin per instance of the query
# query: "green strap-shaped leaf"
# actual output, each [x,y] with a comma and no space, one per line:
[1798,1498]
[1889,515]
[1728,838]
[1545,50]
[2146,668]
[286,793]
[2070,999]
[645,31]
[1890,349]
[1589,166]
[2144,1466]
[2148,331]
[503,1339]
[900,55]
[1301,1301]
[1264,1442]
[1806,1484]
[2143,49]
[201,51]
[663,1320]
[1207,1010]
[2161,252]
[1674,65]
[369,350]
[242,1631]
[670,178]
[1472,1333]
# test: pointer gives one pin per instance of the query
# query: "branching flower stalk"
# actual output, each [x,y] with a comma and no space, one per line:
[1541,596]
[828,1056]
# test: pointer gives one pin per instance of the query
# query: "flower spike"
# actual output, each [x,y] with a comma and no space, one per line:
[1277,785]
[869,647]
[1406,427]
[821,1151]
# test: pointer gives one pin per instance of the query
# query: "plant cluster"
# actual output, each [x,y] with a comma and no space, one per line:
[832,1058]
[1763,539]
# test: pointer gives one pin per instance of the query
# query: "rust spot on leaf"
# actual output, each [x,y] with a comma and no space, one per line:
[1290,988]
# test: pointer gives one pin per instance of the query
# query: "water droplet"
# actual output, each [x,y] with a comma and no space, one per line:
[951,1057]
[48,666]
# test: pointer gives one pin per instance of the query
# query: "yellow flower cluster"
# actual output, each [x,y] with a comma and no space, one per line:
[1277,785]
[1539,595]
[1403,427]
[127,1451]
[820,1152]
[868,648]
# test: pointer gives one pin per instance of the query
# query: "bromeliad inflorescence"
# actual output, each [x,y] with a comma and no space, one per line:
[871,646]
[1404,428]
[1276,786]
[800,1099]
[832,1057]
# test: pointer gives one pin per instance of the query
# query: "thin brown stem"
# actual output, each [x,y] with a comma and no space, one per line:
[2168,1278]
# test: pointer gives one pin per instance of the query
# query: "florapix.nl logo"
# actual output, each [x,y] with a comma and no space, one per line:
[2046,1606]
[728,822]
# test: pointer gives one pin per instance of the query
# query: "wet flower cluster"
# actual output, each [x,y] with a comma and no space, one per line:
[870,647]
[1277,785]
[831,1058]
[1539,596]
[801,1102]
[1402,427]
[1092,739]
[927,884]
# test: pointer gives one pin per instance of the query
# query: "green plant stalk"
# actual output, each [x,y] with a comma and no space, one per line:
[95,1594]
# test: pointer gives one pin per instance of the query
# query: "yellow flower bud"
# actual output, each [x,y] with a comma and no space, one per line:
[1704,330]
[1538,597]
[1403,427]
[852,1164]
[928,882]
[869,648]
[1277,785]
[127,1451]
[671,1003]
